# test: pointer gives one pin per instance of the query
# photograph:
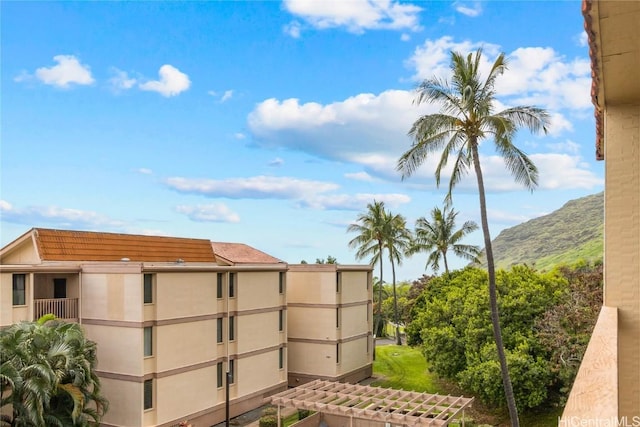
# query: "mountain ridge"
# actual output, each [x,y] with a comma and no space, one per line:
[569,234]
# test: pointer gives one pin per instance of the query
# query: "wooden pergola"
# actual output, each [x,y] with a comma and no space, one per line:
[397,407]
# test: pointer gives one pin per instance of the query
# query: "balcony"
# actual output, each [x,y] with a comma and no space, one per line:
[62,308]
[594,397]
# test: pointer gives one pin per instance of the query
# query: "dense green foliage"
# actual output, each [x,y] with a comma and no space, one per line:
[48,375]
[565,236]
[546,318]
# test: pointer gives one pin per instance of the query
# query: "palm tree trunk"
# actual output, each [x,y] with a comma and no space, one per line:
[395,304]
[446,265]
[378,319]
[493,299]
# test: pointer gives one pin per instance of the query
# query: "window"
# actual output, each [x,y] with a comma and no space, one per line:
[19,289]
[148,394]
[148,341]
[281,283]
[281,358]
[219,333]
[232,285]
[281,320]
[232,371]
[148,288]
[338,317]
[220,374]
[219,287]
[338,281]
[338,353]
[232,328]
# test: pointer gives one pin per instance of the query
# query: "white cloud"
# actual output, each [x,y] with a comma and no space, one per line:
[359,176]
[277,162]
[239,135]
[257,187]
[120,80]
[346,130]
[171,83]
[68,71]
[352,201]
[582,38]
[433,57]
[293,29]
[356,16]
[405,37]
[215,212]
[472,10]
[304,193]
[228,94]
[535,75]
[144,171]
[56,216]
[567,146]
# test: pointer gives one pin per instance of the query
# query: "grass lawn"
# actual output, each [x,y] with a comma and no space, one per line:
[403,367]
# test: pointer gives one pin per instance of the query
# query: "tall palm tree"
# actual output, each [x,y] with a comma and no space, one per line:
[438,235]
[467,117]
[369,242]
[398,240]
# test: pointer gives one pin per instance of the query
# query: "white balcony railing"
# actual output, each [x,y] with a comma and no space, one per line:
[62,308]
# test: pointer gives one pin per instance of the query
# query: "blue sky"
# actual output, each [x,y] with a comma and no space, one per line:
[271,123]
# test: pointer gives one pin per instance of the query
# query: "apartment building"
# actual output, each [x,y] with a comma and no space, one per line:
[172,315]
[329,309]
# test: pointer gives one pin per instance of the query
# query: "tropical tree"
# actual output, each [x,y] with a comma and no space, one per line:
[466,118]
[370,242]
[48,375]
[398,241]
[438,235]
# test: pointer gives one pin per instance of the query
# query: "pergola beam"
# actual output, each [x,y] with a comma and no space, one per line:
[374,403]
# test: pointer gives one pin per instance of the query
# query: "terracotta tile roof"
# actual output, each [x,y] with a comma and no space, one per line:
[587,6]
[239,253]
[67,245]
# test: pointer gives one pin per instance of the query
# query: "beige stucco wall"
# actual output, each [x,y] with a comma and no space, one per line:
[125,402]
[24,253]
[257,331]
[120,349]
[311,287]
[622,245]
[9,313]
[112,296]
[355,286]
[310,322]
[313,334]
[184,294]
[354,320]
[257,290]
[185,393]
[313,358]
[258,372]
[353,355]
[184,344]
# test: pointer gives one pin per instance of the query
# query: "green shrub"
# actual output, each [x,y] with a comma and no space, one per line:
[303,413]
[270,410]
[268,421]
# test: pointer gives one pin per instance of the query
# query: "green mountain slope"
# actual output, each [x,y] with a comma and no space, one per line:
[572,233]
